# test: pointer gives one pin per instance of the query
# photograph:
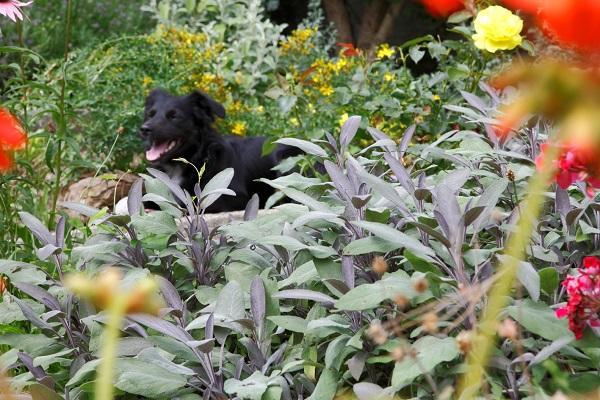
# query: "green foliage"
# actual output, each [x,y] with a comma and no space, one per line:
[277,304]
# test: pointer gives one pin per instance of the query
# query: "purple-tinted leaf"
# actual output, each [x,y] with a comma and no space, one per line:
[251,210]
[406,137]
[474,101]
[173,187]
[38,294]
[348,132]
[356,364]
[359,201]
[304,145]
[431,232]
[258,303]
[37,228]
[164,327]
[422,194]
[205,346]
[472,214]
[134,198]
[170,294]
[80,208]
[46,251]
[562,201]
[448,211]
[38,372]
[378,135]
[32,316]
[257,358]
[305,294]
[339,180]
[348,271]
[400,172]
[384,188]
[275,358]
[209,327]
[331,141]
[59,232]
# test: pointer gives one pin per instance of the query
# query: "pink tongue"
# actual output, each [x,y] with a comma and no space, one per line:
[156,151]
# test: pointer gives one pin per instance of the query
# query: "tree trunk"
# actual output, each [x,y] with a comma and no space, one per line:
[387,24]
[370,23]
[337,13]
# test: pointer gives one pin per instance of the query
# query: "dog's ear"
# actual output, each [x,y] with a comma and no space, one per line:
[202,102]
[155,95]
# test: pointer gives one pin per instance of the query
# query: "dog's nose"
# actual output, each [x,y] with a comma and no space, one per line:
[145,130]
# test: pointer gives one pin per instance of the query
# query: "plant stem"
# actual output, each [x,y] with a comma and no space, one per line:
[62,124]
[104,382]
[515,250]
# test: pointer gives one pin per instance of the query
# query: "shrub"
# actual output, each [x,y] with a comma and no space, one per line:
[370,281]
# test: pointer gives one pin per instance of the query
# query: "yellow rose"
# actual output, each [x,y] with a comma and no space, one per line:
[497,29]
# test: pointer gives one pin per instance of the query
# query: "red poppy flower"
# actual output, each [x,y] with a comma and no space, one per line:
[12,137]
[443,8]
[572,23]
[583,304]
[350,50]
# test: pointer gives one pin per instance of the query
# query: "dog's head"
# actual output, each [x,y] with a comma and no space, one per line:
[173,125]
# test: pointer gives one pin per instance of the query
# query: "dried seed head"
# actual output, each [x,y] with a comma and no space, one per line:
[379,265]
[497,215]
[401,301]
[398,354]
[421,285]
[508,329]
[464,340]
[3,284]
[377,333]
[120,130]
[510,174]
[429,322]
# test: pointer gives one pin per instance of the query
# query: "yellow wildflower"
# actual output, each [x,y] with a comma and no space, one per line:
[326,90]
[436,97]
[294,121]
[260,109]
[385,51]
[147,81]
[497,29]
[298,41]
[239,128]
[343,119]
[388,76]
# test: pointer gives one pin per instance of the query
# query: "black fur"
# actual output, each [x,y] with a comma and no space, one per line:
[188,120]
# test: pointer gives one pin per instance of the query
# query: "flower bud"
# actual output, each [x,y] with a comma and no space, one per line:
[377,333]
[379,265]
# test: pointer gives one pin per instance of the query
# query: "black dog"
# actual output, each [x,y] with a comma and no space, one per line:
[182,127]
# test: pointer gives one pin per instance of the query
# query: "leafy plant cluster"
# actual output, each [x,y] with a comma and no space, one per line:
[367,284]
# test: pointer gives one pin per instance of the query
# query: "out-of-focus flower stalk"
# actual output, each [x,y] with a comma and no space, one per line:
[5,390]
[482,344]
[116,313]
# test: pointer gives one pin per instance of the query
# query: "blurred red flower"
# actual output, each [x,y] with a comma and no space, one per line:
[443,8]
[12,137]
[574,163]
[571,23]
[583,304]
[350,50]
[578,157]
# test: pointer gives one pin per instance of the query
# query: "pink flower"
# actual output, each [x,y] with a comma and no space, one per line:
[575,162]
[12,9]
[583,304]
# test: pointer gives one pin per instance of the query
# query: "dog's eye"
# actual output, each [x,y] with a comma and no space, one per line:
[171,114]
[151,113]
